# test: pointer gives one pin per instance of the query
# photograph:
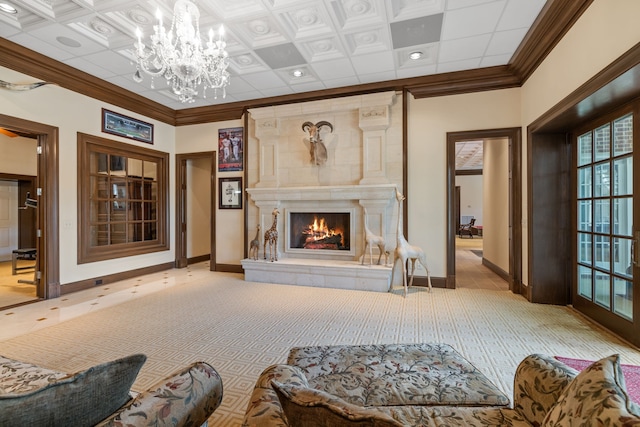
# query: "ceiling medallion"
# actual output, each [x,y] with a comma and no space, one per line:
[178,55]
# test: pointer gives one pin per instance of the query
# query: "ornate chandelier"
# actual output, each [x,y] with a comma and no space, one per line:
[178,55]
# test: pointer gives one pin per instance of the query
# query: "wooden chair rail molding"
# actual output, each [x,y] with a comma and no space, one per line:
[555,19]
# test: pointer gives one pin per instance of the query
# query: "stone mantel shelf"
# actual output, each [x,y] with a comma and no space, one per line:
[339,192]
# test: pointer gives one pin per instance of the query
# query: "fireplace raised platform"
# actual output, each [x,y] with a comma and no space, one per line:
[319,273]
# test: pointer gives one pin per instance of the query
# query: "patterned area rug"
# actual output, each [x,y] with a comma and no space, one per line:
[179,316]
[631,374]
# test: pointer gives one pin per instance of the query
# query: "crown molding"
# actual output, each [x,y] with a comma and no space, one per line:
[555,19]
[34,64]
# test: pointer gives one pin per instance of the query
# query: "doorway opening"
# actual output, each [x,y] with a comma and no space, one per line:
[44,202]
[195,209]
[508,141]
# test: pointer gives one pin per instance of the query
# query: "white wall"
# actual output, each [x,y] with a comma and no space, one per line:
[606,30]
[18,155]
[429,121]
[495,231]
[470,196]
[71,113]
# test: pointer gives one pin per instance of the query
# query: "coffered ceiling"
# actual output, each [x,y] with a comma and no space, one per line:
[335,43]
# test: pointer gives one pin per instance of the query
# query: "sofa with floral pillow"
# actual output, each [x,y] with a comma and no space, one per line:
[320,386]
[31,395]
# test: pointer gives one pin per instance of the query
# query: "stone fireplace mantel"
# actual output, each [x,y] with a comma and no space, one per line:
[365,193]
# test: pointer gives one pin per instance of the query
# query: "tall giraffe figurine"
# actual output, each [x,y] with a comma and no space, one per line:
[405,252]
[271,237]
[254,246]
[371,239]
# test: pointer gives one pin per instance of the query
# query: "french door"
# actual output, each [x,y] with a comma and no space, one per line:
[607,255]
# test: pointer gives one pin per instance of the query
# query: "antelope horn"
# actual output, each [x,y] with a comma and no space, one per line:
[306,125]
[324,123]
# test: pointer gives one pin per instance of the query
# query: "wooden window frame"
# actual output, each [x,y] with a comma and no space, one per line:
[88,253]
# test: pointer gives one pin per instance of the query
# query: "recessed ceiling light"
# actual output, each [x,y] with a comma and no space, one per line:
[7,8]
[415,55]
[297,73]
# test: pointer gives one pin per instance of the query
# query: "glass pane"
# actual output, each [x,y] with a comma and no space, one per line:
[601,216]
[602,137]
[585,289]
[622,256]
[602,255]
[135,213]
[602,289]
[623,135]
[134,167]
[584,248]
[622,216]
[118,233]
[99,235]
[150,170]
[118,189]
[118,210]
[98,211]
[623,297]
[152,191]
[623,176]
[151,212]
[98,162]
[585,221]
[150,231]
[99,187]
[135,189]
[585,182]
[135,232]
[117,165]
[602,180]
[584,149]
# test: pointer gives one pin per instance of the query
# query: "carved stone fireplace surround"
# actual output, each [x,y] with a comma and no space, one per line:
[374,191]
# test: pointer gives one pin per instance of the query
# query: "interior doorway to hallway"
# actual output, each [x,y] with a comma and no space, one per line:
[512,274]
[46,271]
[195,210]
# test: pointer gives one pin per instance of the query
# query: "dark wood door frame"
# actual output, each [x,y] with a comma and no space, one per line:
[181,260]
[514,138]
[48,244]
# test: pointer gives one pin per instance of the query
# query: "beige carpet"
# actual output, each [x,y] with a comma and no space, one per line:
[241,328]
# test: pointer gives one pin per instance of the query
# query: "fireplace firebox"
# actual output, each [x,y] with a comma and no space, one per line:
[324,231]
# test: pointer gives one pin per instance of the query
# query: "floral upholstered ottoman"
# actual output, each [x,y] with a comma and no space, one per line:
[367,376]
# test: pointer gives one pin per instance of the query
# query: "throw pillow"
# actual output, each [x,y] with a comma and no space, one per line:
[81,399]
[308,407]
[596,396]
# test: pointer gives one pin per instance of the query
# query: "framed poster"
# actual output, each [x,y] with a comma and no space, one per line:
[230,149]
[230,193]
[121,125]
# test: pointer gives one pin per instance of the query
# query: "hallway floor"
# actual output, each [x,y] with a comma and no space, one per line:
[470,273]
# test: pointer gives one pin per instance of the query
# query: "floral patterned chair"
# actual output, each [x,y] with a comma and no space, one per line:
[31,395]
[432,385]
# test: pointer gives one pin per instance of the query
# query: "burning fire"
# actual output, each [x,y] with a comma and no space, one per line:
[320,230]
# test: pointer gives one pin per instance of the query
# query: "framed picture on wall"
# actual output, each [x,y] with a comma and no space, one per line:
[230,193]
[121,125]
[230,149]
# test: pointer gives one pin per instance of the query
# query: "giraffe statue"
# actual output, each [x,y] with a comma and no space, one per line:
[254,246]
[405,252]
[370,240]
[271,237]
